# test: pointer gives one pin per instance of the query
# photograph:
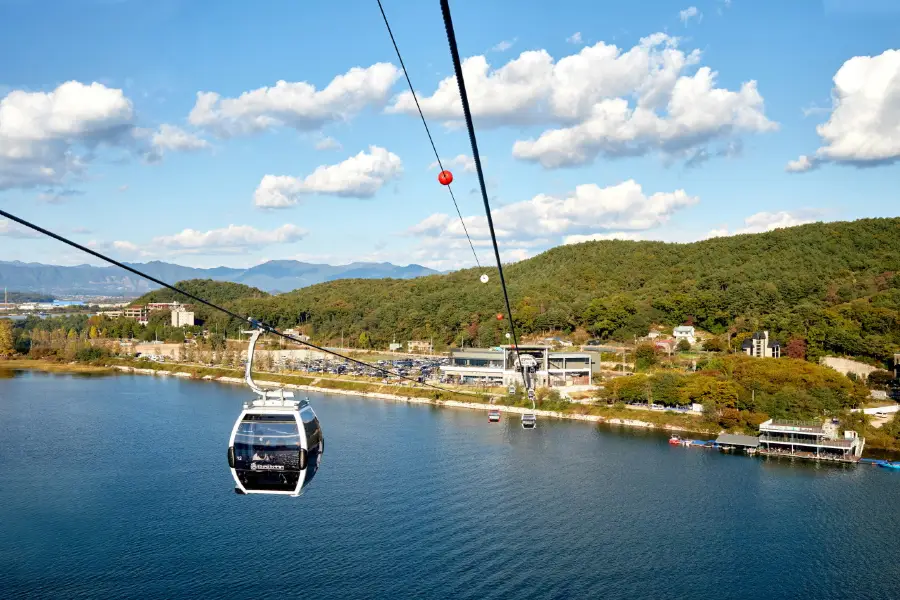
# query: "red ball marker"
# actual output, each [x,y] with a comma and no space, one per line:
[445,177]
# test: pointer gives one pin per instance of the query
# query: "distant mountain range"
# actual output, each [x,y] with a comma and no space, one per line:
[274,276]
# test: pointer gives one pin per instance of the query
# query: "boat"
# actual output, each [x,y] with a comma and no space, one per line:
[888,464]
[675,440]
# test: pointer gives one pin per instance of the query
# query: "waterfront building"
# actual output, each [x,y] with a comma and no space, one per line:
[496,366]
[761,345]
[809,439]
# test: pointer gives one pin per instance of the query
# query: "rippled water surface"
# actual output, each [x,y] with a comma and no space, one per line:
[118,487]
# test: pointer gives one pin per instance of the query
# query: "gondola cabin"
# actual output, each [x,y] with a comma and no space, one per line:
[276,446]
[529,421]
[494,415]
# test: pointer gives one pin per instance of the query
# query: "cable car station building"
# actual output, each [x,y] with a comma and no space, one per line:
[497,366]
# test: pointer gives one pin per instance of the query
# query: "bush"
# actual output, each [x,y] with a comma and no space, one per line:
[880,380]
[683,346]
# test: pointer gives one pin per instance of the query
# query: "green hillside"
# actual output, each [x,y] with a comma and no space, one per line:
[835,285]
[208,289]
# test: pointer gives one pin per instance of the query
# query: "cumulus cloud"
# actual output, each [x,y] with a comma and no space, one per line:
[231,238]
[589,209]
[170,137]
[864,126]
[769,221]
[359,176]
[575,38]
[298,105]
[606,100]
[328,143]
[698,113]
[803,163]
[691,12]
[467,163]
[593,237]
[46,137]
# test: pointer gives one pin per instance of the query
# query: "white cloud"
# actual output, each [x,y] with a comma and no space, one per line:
[47,137]
[589,209]
[467,163]
[607,101]
[359,176]
[294,104]
[698,113]
[170,137]
[328,143]
[58,197]
[504,45]
[123,188]
[14,230]
[803,163]
[864,126]
[691,12]
[575,38]
[231,238]
[768,221]
[593,237]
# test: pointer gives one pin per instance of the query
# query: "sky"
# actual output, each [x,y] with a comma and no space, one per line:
[231,133]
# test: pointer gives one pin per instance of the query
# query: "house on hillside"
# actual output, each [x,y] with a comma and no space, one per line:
[761,345]
[419,347]
[685,332]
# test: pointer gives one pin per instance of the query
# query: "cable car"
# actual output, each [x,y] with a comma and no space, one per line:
[529,421]
[494,415]
[276,444]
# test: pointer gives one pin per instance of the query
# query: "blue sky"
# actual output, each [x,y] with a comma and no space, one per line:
[579,140]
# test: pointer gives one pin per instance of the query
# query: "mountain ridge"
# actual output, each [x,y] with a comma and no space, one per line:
[274,276]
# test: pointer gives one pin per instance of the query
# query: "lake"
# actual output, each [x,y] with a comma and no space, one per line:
[118,486]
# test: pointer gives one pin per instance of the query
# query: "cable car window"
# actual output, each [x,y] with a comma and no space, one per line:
[313,443]
[267,452]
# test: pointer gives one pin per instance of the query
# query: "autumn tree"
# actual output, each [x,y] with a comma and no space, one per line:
[683,345]
[796,348]
[7,341]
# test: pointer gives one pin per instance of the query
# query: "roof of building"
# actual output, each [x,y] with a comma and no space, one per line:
[759,335]
[683,329]
[732,439]
[800,426]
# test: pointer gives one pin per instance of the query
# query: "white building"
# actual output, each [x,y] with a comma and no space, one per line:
[182,318]
[761,345]
[497,366]
[809,439]
[684,332]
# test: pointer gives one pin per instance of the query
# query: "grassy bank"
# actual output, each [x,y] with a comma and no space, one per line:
[54,367]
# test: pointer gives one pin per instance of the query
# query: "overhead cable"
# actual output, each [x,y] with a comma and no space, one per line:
[253,322]
[427,130]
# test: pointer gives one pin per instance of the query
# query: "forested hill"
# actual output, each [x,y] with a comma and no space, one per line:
[217,292]
[836,285]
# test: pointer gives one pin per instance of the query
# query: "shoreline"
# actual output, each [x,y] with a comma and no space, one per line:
[195,374]
[591,418]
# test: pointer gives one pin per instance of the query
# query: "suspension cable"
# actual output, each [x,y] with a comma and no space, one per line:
[253,322]
[457,66]
[427,130]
